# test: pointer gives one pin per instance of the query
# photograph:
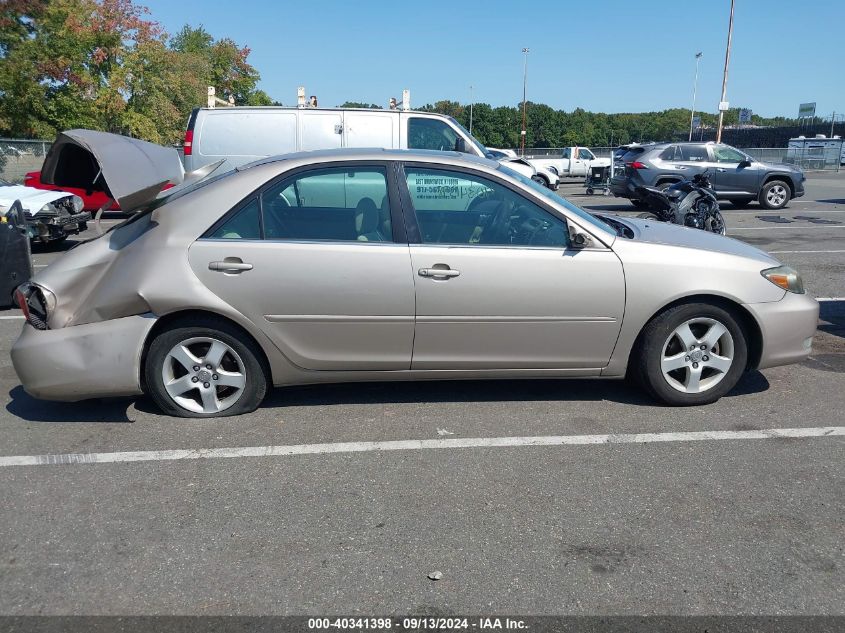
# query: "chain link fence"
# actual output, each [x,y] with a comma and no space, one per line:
[17,157]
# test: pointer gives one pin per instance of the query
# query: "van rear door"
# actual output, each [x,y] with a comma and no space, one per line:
[320,130]
[371,129]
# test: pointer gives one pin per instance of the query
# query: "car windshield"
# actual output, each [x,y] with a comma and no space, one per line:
[551,195]
[484,151]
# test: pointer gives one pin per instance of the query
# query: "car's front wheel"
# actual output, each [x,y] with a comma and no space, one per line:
[775,194]
[691,354]
[639,204]
[204,369]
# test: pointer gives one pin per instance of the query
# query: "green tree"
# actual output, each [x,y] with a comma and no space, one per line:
[222,64]
[102,64]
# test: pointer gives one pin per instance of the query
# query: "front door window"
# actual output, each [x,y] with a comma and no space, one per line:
[453,207]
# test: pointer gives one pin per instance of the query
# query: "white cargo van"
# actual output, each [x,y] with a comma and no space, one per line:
[241,135]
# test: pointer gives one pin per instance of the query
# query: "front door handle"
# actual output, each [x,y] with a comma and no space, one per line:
[229,265]
[438,272]
[721,170]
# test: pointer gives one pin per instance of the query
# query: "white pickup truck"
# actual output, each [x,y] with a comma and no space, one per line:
[573,161]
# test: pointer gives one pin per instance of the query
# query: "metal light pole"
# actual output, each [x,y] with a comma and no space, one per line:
[725,75]
[470,109]
[524,86]
[694,91]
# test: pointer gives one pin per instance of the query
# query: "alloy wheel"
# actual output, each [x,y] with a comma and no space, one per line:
[203,375]
[776,196]
[697,355]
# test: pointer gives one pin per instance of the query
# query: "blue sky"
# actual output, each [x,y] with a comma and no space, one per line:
[602,55]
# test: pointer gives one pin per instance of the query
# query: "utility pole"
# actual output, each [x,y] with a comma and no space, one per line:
[470,109]
[694,91]
[832,120]
[524,86]
[722,103]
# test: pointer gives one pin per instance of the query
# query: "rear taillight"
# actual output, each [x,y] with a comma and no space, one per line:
[638,165]
[33,302]
[187,146]
[21,300]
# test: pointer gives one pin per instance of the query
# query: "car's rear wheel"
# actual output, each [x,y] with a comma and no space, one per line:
[691,354]
[775,194]
[204,370]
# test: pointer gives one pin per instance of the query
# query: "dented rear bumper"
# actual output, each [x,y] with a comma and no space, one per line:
[83,361]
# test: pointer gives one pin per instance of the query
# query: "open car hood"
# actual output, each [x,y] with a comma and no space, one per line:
[129,170]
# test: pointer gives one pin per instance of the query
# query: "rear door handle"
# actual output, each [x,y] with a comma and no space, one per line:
[438,272]
[233,265]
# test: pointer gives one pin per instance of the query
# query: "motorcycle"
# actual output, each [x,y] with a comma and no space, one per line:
[689,203]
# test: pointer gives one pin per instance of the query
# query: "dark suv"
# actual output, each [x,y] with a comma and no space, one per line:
[736,176]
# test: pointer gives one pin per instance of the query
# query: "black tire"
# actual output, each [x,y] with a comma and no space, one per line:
[715,223]
[741,203]
[648,216]
[647,357]
[540,180]
[639,204]
[775,194]
[255,372]
[590,191]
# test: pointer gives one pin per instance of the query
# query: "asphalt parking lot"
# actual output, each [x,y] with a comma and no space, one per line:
[380,485]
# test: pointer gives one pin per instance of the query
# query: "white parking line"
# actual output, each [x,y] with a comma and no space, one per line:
[793,212]
[786,228]
[798,252]
[12,317]
[410,445]
[830,298]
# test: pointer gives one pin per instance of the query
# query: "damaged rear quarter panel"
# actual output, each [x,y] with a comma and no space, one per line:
[142,267]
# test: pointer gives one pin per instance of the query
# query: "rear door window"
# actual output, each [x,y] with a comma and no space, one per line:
[671,153]
[336,204]
[694,153]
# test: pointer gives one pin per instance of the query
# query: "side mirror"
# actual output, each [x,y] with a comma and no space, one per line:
[744,163]
[579,240]
[461,145]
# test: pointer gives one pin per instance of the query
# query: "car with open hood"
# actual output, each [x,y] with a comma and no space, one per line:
[371,265]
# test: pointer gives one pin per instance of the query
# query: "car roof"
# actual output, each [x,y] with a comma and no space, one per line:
[317,109]
[376,153]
